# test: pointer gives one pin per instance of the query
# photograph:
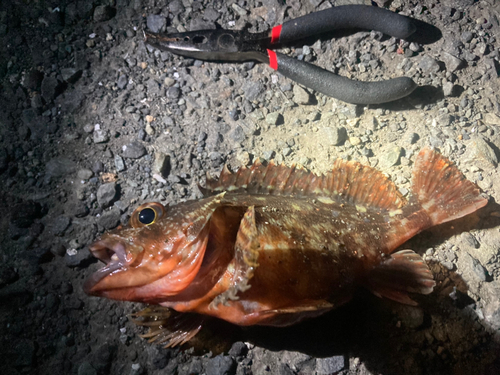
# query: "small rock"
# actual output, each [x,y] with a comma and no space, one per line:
[284,369]
[238,135]
[352,111]
[470,268]
[452,63]
[58,168]
[331,365]
[470,240]
[490,293]
[466,36]
[106,194]
[101,136]
[169,81]
[78,209]
[220,365]
[173,92]
[334,136]
[300,95]
[161,164]
[119,163]
[210,14]
[36,101]
[252,90]
[122,81]
[391,157]
[156,23]
[238,349]
[268,154]
[413,138]
[483,150]
[98,167]
[49,88]
[110,219]
[86,369]
[136,369]
[450,90]
[273,118]
[444,120]
[175,6]
[355,141]
[103,13]
[149,129]
[241,12]
[121,205]
[415,47]
[243,158]
[134,150]
[492,119]
[428,64]
[70,74]
[58,225]
[84,174]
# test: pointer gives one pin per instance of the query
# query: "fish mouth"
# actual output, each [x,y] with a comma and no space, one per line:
[112,252]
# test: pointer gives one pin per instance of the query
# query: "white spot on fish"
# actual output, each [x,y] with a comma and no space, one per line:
[427,205]
[325,200]
[361,209]
[395,212]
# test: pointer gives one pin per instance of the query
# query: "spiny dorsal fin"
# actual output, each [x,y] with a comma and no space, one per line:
[348,181]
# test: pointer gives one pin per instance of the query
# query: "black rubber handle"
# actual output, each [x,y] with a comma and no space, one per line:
[344,17]
[339,87]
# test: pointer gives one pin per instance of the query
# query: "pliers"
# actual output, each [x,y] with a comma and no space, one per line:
[241,45]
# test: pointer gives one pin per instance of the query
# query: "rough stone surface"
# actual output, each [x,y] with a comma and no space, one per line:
[134,150]
[300,95]
[106,194]
[49,88]
[110,219]
[333,136]
[428,64]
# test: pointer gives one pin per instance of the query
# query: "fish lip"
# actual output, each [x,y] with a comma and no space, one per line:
[105,250]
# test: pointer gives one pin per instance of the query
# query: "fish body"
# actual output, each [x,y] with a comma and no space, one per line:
[272,245]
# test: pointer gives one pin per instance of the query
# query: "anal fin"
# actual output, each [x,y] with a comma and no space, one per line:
[401,273]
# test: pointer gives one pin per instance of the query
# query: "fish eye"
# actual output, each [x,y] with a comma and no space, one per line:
[147,216]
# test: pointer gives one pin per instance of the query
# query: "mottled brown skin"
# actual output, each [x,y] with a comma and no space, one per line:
[312,255]
[279,245]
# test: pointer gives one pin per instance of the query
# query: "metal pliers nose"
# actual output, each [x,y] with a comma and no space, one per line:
[240,45]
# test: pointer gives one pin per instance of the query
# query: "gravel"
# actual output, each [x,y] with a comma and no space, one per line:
[94,123]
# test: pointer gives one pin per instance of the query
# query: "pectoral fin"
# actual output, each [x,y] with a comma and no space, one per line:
[167,326]
[245,260]
[401,273]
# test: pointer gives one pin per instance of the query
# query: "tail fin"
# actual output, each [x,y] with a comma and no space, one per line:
[442,190]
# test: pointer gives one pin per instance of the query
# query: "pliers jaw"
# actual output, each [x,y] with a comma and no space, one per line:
[214,45]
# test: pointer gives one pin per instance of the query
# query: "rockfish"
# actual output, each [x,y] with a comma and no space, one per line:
[272,245]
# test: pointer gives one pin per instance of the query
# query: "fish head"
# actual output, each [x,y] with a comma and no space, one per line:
[155,256]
